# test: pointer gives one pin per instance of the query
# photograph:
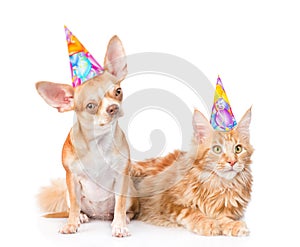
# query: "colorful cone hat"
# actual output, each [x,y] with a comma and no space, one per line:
[221,114]
[82,63]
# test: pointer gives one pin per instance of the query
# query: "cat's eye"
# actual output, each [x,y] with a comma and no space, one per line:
[118,91]
[91,108]
[238,149]
[217,149]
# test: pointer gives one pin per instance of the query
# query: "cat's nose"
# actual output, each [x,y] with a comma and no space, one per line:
[112,109]
[231,162]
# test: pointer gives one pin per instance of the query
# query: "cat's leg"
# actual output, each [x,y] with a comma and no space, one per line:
[230,227]
[194,220]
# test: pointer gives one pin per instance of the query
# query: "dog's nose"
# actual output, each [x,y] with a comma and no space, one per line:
[112,109]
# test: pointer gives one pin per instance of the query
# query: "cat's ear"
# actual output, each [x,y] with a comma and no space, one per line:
[244,124]
[202,128]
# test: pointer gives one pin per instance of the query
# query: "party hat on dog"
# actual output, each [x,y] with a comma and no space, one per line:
[221,115]
[82,63]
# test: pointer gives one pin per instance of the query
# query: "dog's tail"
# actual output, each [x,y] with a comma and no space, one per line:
[53,199]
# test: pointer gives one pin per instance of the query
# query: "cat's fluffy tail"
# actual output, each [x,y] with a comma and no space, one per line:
[53,198]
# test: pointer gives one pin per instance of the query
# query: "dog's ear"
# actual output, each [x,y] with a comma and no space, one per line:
[59,96]
[115,59]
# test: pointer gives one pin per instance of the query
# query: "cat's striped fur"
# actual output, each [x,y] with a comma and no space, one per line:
[206,189]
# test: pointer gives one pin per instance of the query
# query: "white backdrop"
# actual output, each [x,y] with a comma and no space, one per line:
[253,45]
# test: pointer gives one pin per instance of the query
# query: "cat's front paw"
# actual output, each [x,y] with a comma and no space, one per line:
[208,227]
[211,228]
[235,228]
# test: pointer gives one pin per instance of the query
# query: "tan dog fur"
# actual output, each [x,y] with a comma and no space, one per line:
[95,154]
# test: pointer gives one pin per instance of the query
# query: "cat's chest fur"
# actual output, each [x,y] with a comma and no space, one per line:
[217,198]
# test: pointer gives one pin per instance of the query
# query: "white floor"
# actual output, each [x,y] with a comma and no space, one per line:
[97,233]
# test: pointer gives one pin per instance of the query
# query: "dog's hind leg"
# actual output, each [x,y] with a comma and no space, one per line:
[83,218]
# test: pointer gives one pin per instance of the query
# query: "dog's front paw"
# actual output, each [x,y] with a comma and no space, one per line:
[235,228]
[120,232]
[69,228]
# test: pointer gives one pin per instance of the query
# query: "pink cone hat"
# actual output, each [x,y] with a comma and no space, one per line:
[82,63]
[222,117]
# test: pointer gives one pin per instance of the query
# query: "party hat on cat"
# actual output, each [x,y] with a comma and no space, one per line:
[82,63]
[222,117]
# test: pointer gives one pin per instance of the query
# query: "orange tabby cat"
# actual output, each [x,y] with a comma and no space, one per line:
[206,189]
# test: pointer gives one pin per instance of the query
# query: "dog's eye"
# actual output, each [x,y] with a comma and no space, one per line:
[118,91]
[91,107]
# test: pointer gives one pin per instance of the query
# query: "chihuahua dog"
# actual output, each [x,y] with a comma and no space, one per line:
[95,154]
